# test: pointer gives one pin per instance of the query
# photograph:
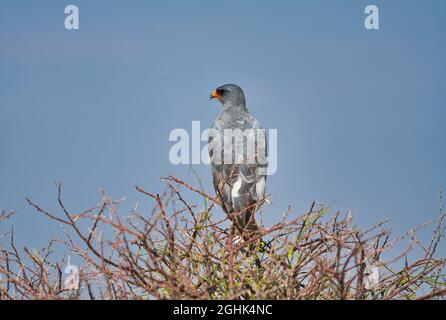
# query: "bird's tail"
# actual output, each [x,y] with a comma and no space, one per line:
[249,230]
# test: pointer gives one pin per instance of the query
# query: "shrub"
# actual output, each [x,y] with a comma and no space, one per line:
[178,251]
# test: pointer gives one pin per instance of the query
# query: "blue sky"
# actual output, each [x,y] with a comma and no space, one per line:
[360,114]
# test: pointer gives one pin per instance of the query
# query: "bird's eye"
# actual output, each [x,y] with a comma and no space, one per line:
[221,91]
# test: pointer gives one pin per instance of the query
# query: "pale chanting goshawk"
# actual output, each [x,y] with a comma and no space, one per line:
[238,157]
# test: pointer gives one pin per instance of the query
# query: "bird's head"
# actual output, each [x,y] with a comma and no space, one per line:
[229,95]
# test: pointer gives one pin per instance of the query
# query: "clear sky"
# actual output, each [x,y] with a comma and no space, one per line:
[360,114]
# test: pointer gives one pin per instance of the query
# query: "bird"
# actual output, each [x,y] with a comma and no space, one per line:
[238,158]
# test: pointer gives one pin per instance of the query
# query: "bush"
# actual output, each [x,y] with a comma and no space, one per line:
[179,252]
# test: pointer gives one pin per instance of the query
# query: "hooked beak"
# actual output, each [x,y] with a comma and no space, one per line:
[215,95]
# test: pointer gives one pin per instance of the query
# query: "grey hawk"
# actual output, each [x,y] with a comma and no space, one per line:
[238,157]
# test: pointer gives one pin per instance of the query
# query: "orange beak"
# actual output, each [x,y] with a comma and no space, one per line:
[215,95]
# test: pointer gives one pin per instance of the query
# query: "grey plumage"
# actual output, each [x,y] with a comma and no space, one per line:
[240,182]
